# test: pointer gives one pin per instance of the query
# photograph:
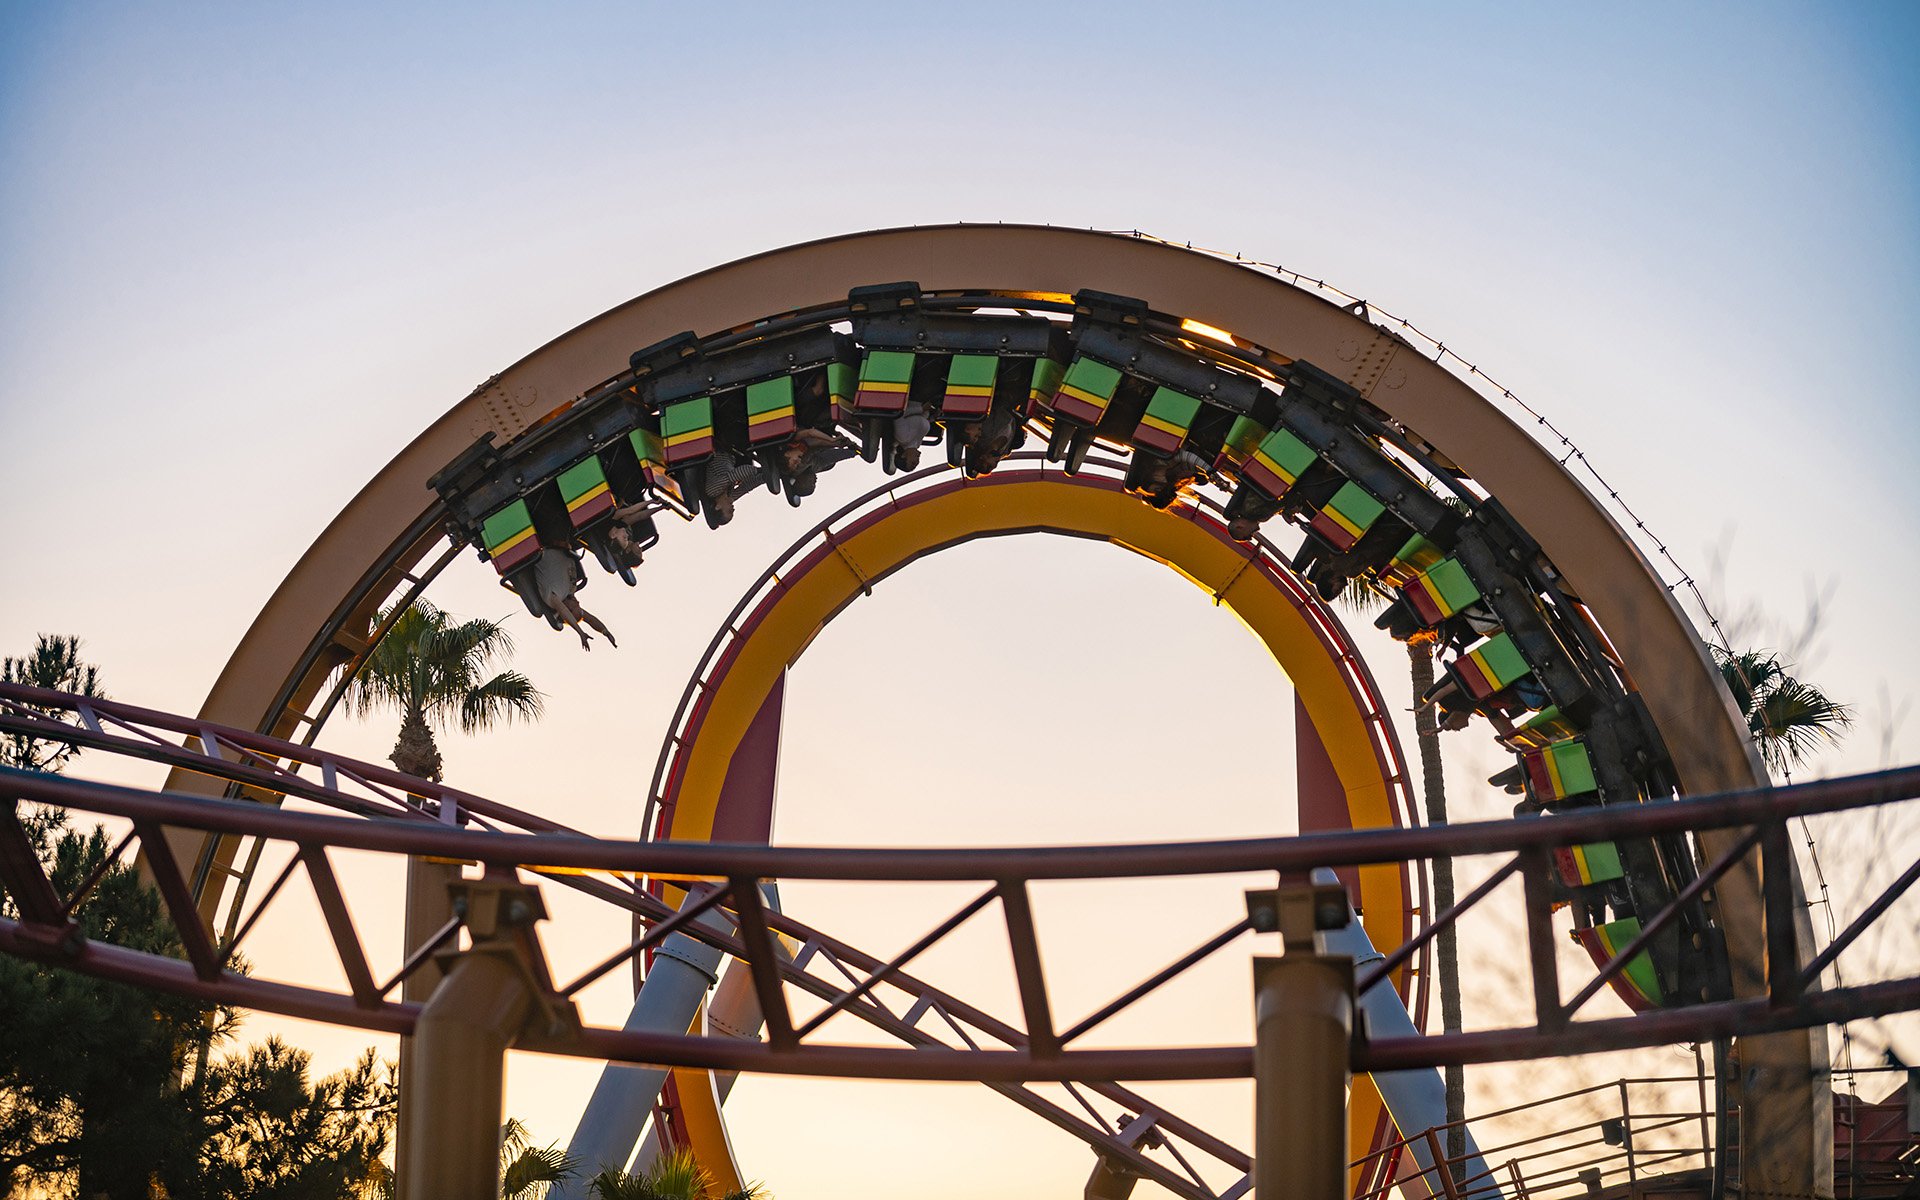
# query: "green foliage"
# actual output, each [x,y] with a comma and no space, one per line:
[92,1100]
[91,1095]
[673,1176]
[54,664]
[87,1066]
[271,1132]
[527,1171]
[1790,720]
[434,669]
[434,665]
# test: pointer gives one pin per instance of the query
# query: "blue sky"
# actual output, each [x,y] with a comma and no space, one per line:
[251,250]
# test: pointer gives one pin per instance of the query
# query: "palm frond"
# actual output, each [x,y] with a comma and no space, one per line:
[478,640]
[499,700]
[677,1175]
[1363,597]
[1790,720]
[513,1138]
[1748,674]
[1796,720]
[435,666]
[614,1184]
[532,1171]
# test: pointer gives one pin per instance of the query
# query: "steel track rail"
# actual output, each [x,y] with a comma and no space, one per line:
[1792,1004]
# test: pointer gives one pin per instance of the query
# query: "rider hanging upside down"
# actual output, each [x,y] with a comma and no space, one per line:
[909,430]
[1161,480]
[728,476]
[989,440]
[625,532]
[558,576]
[802,457]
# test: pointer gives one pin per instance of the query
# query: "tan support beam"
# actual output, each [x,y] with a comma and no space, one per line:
[1303,1036]
[452,1099]
[428,908]
[1111,1180]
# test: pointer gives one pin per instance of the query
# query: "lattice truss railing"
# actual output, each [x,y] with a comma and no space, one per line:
[713,894]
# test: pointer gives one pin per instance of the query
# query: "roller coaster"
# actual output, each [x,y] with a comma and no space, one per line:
[1271,446]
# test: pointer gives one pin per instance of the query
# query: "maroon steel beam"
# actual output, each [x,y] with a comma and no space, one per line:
[421,953]
[1722,1019]
[698,901]
[1695,1023]
[1024,942]
[1535,863]
[333,906]
[259,910]
[876,978]
[16,719]
[763,960]
[177,899]
[26,881]
[178,978]
[1811,976]
[1148,985]
[715,859]
[1030,1063]
[1407,949]
[96,875]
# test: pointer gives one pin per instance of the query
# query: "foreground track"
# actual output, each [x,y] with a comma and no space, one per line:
[724,878]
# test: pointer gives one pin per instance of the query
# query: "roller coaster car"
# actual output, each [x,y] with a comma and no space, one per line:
[1552,775]
[1417,554]
[604,450]
[814,444]
[1330,570]
[1491,677]
[734,395]
[1344,517]
[642,534]
[952,368]
[1683,962]
[1443,598]
[1542,728]
[1264,461]
[458,480]
[1245,434]
[513,546]
[636,469]
[1638,983]
[1134,390]
[987,396]
[514,536]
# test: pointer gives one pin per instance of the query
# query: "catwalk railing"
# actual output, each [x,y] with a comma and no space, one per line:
[1636,1130]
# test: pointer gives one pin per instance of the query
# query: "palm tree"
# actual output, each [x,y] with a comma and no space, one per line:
[1363,597]
[1789,720]
[527,1171]
[432,669]
[1433,787]
[675,1175]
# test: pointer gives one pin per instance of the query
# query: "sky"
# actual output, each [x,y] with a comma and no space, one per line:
[250,251]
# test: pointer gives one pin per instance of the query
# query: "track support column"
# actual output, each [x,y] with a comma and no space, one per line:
[490,994]
[429,907]
[1303,1035]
